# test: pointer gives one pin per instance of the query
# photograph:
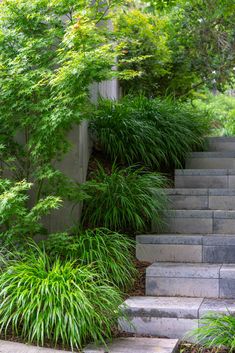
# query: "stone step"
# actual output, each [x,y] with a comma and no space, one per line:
[191,280]
[197,222]
[205,178]
[169,317]
[221,144]
[211,160]
[136,345]
[201,199]
[186,248]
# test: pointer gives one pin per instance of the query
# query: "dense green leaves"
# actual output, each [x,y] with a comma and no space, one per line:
[109,252]
[154,132]
[126,199]
[64,304]
[216,330]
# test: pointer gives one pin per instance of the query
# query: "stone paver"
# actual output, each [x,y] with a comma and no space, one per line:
[136,345]
[14,347]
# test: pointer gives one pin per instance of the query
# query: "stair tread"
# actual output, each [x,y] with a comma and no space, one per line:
[179,307]
[187,239]
[135,344]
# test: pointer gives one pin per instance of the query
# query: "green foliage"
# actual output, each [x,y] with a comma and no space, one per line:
[41,300]
[154,132]
[216,330]
[111,253]
[126,199]
[144,49]
[222,110]
[201,38]
[51,51]
[17,221]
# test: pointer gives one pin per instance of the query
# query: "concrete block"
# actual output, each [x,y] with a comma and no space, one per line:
[227,281]
[219,254]
[186,239]
[169,252]
[217,306]
[211,160]
[221,144]
[179,270]
[160,327]
[170,307]
[191,287]
[194,199]
[224,222]
[178,279]
[222,199]
[194,222]
[204,178]
[135,344]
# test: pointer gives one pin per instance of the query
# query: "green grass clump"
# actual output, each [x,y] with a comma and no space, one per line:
[216,330]
[111,253]
[59,302]
[153,132]
[124,200]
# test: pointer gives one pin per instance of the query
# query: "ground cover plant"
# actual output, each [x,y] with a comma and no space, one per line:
[152,132]
[44,300]
[127,199]
[111,253]
[216,331]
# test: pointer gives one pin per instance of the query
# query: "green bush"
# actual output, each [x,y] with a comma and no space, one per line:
[17,221]
[42,301]
[152,132]
[216,330]
[111,253]
[124,200]
[222,110]
[143,38]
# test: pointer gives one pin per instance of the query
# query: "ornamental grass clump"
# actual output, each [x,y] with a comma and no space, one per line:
[125,200]
[215,331]
[152,132]
[43,301]
[111,253]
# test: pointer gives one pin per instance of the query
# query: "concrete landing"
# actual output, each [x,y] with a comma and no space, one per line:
[15,347]
[136,345]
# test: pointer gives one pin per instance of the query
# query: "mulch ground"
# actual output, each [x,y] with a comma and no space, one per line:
[185,347]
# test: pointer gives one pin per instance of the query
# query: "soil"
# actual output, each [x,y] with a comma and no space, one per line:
[185,347]
[139,285]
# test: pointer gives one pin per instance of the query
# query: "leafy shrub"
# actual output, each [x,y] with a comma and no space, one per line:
[222,109]
[126,199]
[17,221]
[145,49]
[153,132]
[42,300]
[216,330]
[111,253]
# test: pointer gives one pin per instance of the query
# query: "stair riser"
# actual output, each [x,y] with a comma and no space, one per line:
[185,253]
[191,287]
[205,181]
[198,226]
[159,327]
[221,144]
[210,163]
[191,202]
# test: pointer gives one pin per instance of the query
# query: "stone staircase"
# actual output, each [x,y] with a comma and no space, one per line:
[193,261]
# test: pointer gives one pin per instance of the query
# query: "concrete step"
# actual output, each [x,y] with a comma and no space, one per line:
[211,160]
[191,280]
[186,248]
[221,144]
[201,199]
[169,317]
[197,222]
[205,178]
[136,345]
